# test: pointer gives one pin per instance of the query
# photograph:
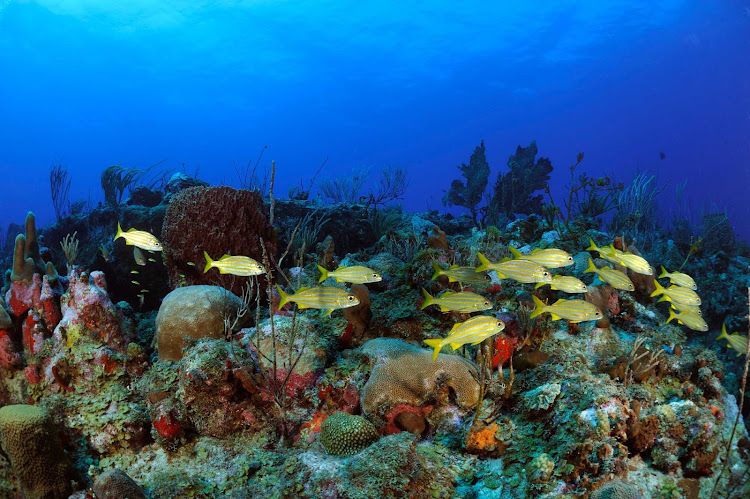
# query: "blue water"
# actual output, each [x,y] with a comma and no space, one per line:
[206,85]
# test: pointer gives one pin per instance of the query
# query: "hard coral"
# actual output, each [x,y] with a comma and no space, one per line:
[116,484]
[344,434]
[405,374]
[219,221]
[195,312]
[29,439]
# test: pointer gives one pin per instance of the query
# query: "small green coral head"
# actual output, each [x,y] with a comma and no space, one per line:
[344,434]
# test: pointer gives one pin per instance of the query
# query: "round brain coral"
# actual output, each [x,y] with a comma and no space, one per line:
[344,434]
[219,221]
[34,450]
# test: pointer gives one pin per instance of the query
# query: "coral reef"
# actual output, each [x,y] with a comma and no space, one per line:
[344,434]
[30,441]
[194,312]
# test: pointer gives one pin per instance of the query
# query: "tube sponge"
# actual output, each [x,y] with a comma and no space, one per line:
[33,448]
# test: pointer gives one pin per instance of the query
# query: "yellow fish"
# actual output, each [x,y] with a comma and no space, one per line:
[550,258]
[683,307]
[689,319]
[465,301]
[609,253]
[613,277]
[472,331]
[677,294]
[235,265]
[139,238]
[572,310]
[635,263]
[328,298]
[566,283]
[679,278]
[467,275]
[355,274]
[735,340]
[519,270]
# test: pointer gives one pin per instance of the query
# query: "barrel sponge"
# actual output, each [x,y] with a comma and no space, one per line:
[344,434]
[31,443]
[195,312]
[406,374]
[219,221]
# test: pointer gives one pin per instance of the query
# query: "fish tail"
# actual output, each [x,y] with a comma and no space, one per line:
[209,262]
[663,273]
[119,232]
[539,307]
[323,273]
[284,297]
[484,263]
[723,332]
[515,252]
[436,346]
[438,270]
[592,246]
[671,316]
[591,267]
[428,299]
[659,289]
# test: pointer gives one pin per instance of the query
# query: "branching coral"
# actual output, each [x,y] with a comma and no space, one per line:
[469,194]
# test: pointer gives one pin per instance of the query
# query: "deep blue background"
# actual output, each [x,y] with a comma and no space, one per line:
[93,83]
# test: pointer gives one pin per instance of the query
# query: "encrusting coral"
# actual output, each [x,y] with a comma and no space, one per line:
[30,441]
[344,434]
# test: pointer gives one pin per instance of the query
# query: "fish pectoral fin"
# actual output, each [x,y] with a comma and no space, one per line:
[555,317]
[443,308]
[455,346]
[328,311]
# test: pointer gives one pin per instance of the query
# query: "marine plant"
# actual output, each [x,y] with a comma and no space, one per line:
[59,183]
[115,180]
[345,188]
[387,221]
[391,187]
[249,177]
[469,194]
[69,246]
[636,209]
[513,191]
[587,198]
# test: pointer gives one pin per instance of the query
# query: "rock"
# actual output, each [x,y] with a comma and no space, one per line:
[116,484]
[179,182]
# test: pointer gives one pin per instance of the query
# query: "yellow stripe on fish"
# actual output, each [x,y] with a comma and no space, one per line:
[465,301]
[689,319]
[635,263]
[736,341]
[550,258]
[139,238]
[609,253]
[472,331]
[683,307]
[677,294]
[466,275]
[613,277]
[235,265]
[572,310]
[566,283]
[679,278]
[519,270]
[355,274]
[328,298]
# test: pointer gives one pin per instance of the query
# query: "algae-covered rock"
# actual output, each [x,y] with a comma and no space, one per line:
[542,397]
[116,484]
[29,440]
[195,312]
[344,434]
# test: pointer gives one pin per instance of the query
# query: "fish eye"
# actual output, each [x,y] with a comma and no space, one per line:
[350,298]
[500,324]
[486,304]
[545,274]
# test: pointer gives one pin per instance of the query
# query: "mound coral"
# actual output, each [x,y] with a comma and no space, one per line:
[195,312]
[404,378]
[344,434]
[219,221]
[116,484]
[33,447]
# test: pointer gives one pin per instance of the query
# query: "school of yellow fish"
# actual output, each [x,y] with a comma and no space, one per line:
[529,269]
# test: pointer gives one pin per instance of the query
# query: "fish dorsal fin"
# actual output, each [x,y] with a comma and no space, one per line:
[506,259]
[536,251]
[303,288]
[447,294]
[454,266]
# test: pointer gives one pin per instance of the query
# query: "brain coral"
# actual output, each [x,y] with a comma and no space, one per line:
[29,440]
[193,311]
[344,434]
[406,374]
[219,221]
[116,484]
